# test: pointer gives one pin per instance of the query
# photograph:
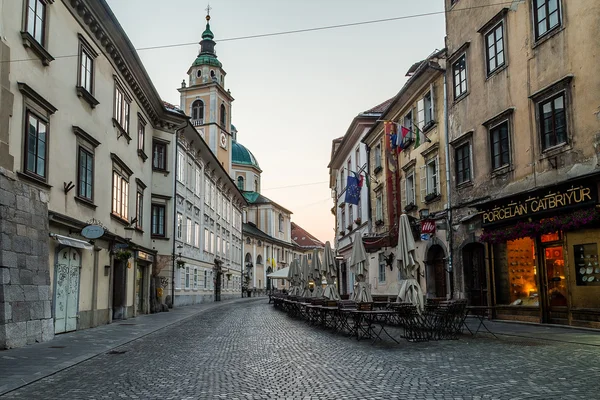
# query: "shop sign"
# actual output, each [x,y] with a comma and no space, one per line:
[92,231]
[428,226]
[540,202]
[425,236]
[145,256]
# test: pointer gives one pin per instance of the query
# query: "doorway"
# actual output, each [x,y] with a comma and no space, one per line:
[140,279]
[436,260]
[473,257]
[555,283]
[66,292]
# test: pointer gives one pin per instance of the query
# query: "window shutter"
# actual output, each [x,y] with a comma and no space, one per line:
[403,199]
[437,174]
[420,113]
[423,182]
[432,91]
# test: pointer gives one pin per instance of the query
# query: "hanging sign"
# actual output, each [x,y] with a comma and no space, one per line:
[425,236]
[428,226]
[92,232]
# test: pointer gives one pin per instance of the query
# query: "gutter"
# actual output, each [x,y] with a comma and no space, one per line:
[448,190]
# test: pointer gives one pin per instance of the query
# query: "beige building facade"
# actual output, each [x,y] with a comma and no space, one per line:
[523,126]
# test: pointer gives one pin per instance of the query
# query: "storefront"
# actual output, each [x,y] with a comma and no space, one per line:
[543,254]
[142,282]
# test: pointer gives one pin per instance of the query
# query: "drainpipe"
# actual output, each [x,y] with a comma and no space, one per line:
[448,190]
[175,214]
[95,288]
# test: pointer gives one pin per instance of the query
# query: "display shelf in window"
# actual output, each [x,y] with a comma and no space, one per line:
[587,268]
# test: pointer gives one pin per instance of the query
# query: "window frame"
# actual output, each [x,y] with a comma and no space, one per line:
[188,231]
[123,213]
[139,207]
[86,50]
[196,235]
[379,207]
[159,148]
[487,34]
[382,265]
[180,173]
[44,20]
[469,168]
[410,174]
[539,104]
[200,112]
[89,154]
[122,109]
[497,128]
[223,115]
[464,92]
[141,136]
[378,156]
[31,113]
[549,30]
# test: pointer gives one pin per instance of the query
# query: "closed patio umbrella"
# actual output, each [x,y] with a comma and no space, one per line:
[294,278]
[410,289]
[329,266]
[358,262]
[317,271]
[306,275]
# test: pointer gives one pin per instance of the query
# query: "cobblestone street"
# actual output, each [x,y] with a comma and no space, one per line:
[248,350]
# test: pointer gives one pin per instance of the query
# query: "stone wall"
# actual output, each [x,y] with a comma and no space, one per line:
[25,296]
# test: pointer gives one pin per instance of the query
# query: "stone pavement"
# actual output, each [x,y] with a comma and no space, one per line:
[247,350]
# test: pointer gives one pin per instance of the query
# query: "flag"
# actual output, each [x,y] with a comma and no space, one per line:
[361,180]
[352,190]
[391,133]
[367,181]
[417,136]
[403,138]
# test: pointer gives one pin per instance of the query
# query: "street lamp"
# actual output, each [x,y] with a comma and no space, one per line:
[128,235]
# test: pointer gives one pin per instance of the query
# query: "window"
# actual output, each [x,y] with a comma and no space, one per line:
[343,225]
[187,277]
[159,156]
[141,133]
[36,20]
[223,115]
[180,166]
[197,112]
[206,190]
[205,278]
[120,196]
[342,180]
[86,68]
[218,244]
[432,172]
[499,145]
[206,241]
[378,156]
[381,267]
[212,242]
[459,72]
[357,159]
[122,106]
[349,166]
[195,278]
[188,231]
[546,16]
[198,183]
[280,223]
[85,174]
[429,107]
[463,164]
[213,196]
[158,220]
[139,207]
[240,182]
[179,225]
[36,149]
[553,122]
[408,121]
[379,208]
[494,43]
[409,188]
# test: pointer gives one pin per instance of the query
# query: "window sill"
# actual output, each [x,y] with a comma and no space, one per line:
[433,198]
[33,179]
[495,72]
[498,172]
[39,50]
[142,155]
[87,96]
[119,219]
[463,185]
[139,229]
[555,150]
[161,171]
[156,237]
[461,97]
[429,126]
[122,131]
[85,202]
[548,35]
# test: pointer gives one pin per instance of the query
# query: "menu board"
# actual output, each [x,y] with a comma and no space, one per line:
[587,268]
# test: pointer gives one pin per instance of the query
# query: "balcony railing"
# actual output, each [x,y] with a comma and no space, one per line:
[198,122]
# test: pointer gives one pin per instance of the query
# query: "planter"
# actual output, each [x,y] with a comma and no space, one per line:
[228,275]
[377,169]
[180,264]
[379,222]
[410,207]
[342,233]
[431,197]
[123,255]
[349,227]
[357,221]
[342,204]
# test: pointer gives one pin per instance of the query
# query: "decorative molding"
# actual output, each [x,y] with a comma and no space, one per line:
[140,184]
[80,133]
[161,196]
[35,96]
[115,158]
[87,96]
[39,50]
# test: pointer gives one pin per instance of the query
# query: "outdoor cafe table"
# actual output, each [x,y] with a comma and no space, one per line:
[481,313]
[371,318]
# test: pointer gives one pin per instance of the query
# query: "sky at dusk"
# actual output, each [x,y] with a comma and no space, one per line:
[293,93]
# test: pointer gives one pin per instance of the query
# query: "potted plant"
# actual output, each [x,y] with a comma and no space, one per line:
[342,232]
[431,196]
[342,204]
[180,263]
[379,222]
[349,227]
[228,275]
[410,207]
[123,255]
[358,221]
[377,169]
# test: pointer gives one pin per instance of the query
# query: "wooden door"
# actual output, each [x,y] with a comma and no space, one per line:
[66,292]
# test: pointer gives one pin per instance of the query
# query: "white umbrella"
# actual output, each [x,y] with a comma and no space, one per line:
[317,273]
[294,278]
[283,273]
[306,275]
[410,290]
[331,291]
[357,262]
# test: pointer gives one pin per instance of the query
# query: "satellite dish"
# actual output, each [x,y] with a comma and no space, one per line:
[92,232]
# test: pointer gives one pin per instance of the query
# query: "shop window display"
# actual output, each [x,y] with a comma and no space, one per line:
[515,273]
[587,269]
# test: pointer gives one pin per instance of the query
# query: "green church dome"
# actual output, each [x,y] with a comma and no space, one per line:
[241,155]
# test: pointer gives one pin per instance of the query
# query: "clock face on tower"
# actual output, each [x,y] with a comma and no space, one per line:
[223,140]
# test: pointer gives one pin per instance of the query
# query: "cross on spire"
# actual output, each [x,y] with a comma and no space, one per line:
[208,8]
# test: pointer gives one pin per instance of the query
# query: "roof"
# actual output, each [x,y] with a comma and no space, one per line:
[241,155]
[173,108]
[250,229]
[379,108]
[302,238]
[257,198]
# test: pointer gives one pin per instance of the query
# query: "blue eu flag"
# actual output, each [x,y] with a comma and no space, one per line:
[352,190]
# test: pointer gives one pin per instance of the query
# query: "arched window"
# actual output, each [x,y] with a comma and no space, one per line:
[280,223]
[199,73]
[223,115]
[240,182]
[198,111]
[256,188]
[259,260]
